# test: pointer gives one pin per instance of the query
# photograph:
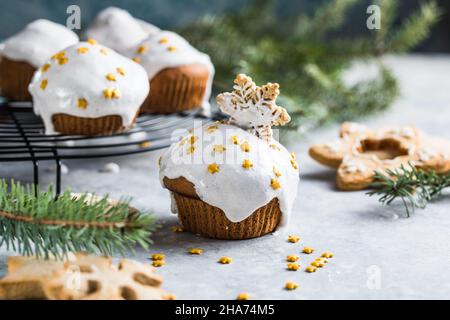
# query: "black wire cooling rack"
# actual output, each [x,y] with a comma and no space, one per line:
[22,138]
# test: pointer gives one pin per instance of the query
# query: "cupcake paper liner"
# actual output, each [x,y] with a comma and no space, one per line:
[15,76]
[176,89]
[72,125]
[198,217]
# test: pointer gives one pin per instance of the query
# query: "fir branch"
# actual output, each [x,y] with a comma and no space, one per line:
[415,187]
[269,48]
[38,224]
[416,28]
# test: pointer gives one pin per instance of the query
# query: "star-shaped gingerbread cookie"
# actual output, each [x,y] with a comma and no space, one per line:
[360,151]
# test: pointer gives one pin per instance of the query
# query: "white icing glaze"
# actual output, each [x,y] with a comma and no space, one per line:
[37,42]
[403,131]
[157,55]
[118,29]
[234,189]
[352,165]
[83,76]
[354,127]
[334,147]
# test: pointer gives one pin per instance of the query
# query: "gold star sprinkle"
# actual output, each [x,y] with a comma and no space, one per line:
[58,55]
[45,67]
[235,139]
[324,260]
[82,103]
[120,71]
[291,286]
[169,297]
[190,150]
[293,266]
[225,260]
[158,263]
[171,49]
[137,59]
[213,168]
[193,139]
[144,144]
[63,60]
[110,93]
[294,164]
[318,263]
[44,84]
[103,51]
[277,172]
[274,146]
[275,184]
[243,296]
[110,77]
[247,164]
[158,256]
[219,148]
[311,269]
[196,251]
[82,50]
[292,258]
[211,129]
[92,41]
[308,250]
[328,254]
[163,40]
[177,229]
[293,239]
[141,49]
[245,146]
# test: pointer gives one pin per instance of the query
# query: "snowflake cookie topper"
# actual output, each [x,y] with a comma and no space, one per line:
[253,108]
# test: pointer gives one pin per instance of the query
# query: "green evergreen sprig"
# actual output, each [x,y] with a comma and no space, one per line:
[308,55]
[414,187]
[38,224]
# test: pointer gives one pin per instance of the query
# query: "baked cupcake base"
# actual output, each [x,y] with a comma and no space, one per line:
[198,217]
[15,76]
[177,89]
[72,125]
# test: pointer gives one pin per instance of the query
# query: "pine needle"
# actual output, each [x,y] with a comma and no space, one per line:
[38,224]
[414,187]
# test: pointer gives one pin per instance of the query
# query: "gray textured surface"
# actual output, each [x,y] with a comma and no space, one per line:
[411,256]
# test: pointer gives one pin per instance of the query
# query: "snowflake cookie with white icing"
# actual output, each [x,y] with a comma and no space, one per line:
[231,179]
[88,89]
[361,151]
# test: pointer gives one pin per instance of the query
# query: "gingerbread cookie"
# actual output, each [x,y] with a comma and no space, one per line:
[361,151]
[80,277]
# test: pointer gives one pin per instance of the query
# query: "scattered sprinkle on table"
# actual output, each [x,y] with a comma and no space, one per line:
[177,229]
[327,254]
[158,263]
[291,285]
[293,239]
[243,296]
[196,251]
[158,256]
[225,260]
[292,258]
[293,266]
[170,297]
[311,269]
[308,250]
[318,263]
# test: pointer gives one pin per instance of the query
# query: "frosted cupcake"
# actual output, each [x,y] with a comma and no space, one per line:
[180,75]
[232,180]
[24,52]
[119,30]
[88,89]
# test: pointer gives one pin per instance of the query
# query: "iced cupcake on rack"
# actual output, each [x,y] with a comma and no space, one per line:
[180,75]
[88,89]
[24,52]
[233,180]
[119,30]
